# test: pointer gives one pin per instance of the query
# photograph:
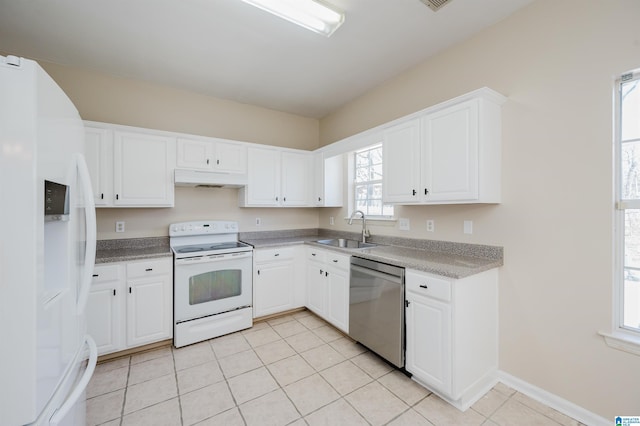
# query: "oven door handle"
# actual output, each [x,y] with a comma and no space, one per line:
[213,258]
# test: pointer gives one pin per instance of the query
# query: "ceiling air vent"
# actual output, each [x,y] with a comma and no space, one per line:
[435,5]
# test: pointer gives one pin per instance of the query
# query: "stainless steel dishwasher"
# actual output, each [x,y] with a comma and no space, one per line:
[376,308]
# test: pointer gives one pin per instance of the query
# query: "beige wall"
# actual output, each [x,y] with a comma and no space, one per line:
[101,97]
[556,61]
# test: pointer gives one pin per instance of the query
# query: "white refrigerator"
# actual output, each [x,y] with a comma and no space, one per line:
[47,251]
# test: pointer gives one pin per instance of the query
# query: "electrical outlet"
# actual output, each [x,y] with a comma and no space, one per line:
[331,220]
[431,225]
[258,221]
[119,226]
[468,227]
[404,224]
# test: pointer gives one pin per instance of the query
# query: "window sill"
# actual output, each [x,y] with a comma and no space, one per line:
[374,219]
[622,341]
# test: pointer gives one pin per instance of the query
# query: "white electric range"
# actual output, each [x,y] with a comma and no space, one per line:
[213,274]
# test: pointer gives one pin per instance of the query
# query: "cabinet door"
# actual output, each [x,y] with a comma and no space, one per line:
[105,308]
[195,155]
[296,179]
[99,157]
[149,310]
[143,170]
[263,175]
[401,164]
[273,289]
[337,310]
[104,314]
[230,158]
[428,353]
[316,291]
[450,153]
[328,181]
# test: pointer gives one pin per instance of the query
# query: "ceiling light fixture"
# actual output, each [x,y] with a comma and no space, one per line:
[310,14]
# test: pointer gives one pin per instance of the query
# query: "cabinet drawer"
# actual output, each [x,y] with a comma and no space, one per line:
[428,285]
[149,267]
[106,273]
[339,261]
[316,254]
[267,255]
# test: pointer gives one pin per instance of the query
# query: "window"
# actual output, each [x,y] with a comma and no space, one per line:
[627,221]
[367,191]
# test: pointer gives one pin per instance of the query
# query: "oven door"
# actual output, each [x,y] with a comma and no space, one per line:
[210,285]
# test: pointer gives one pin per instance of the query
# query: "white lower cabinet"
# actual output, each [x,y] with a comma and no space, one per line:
[276,281]
[131,304]
[452,334]
[328,286]
[105,308]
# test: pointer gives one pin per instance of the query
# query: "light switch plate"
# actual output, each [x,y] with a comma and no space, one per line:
[404,224]
[468,227]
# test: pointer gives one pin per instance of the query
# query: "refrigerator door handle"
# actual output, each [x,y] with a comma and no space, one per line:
[78,391]
[90,220]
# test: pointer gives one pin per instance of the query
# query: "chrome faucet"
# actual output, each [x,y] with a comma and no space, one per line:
[365,231]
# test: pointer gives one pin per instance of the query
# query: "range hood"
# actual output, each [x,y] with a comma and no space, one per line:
[199,178]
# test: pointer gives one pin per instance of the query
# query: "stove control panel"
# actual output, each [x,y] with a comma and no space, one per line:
[203,228]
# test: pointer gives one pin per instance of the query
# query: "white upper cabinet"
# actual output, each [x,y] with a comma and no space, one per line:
[130,169]
[143,166]
[277,179]
[211,155]
[328,180]
[99,157]
[446,155]
[401,165]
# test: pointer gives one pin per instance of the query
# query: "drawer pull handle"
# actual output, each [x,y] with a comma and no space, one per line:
[277,254]
[114,291]
[335,260]
[149,269]
[423,286]
[96,275]
[313,254]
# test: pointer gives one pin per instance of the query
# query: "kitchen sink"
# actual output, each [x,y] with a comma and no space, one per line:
[345,243]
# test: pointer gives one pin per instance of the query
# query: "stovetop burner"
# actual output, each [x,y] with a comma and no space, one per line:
[209,247]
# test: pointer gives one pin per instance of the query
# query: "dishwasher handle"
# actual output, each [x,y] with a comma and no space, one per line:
[398,279]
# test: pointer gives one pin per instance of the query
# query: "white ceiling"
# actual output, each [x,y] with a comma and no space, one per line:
[231,50]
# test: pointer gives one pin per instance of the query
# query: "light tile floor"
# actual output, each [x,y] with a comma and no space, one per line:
[292,370]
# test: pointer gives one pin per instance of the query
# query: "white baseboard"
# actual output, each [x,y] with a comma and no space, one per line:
[562,405]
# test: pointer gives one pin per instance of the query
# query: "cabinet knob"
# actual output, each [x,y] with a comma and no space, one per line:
[414,192]
[207,161]
[319,198]
[321,272]
[326,274]
[277,254]
[284,199]
[102,196]
[335,260]
[406,303]
[117,197]
[426,191]
[276,198]
[312,254]
[258,271]
[217,161]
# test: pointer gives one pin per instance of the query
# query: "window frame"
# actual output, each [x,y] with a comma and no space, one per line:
[622,337]
[352,184]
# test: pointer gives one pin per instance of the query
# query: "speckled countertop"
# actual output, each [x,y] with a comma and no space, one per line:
[122,250]
[449,259]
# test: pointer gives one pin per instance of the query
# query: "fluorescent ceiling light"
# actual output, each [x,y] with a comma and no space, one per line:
[310,14]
